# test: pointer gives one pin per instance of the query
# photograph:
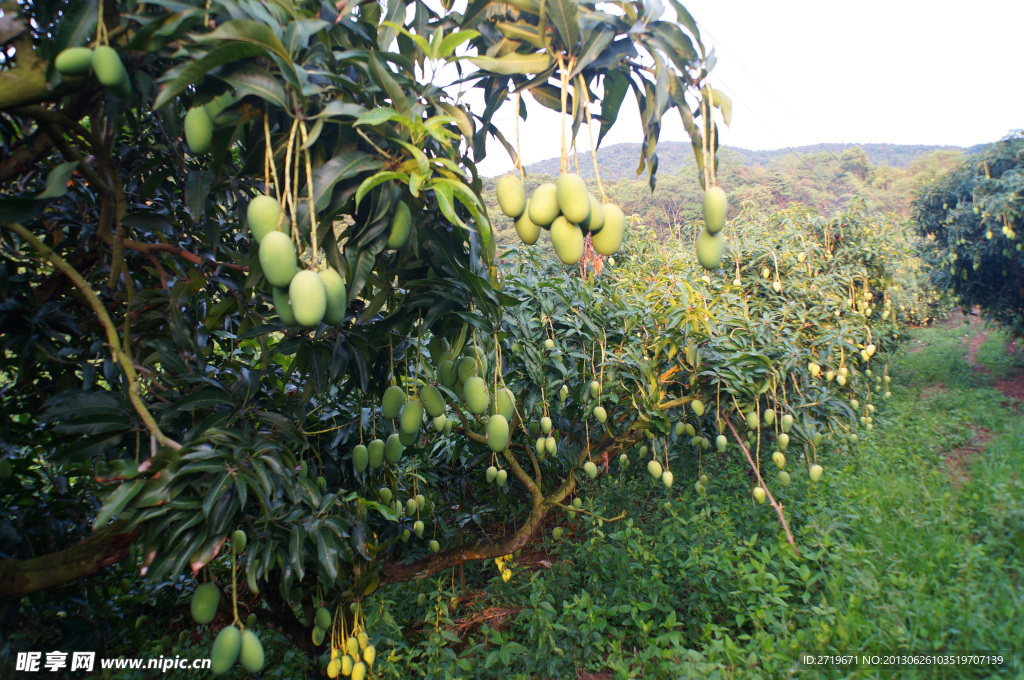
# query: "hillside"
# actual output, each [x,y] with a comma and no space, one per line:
[619,161]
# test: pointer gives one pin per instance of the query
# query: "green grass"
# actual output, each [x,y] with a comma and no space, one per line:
[897,555]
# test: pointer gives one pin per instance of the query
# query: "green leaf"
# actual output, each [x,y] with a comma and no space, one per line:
[382,75]
[370,182]
[249,79]
[194,71]
[551,97]
[564,15]
[724,103]
[341,167]
[514,63]
[443,193]
[57,180]
[116,502]
[452,41]
[595,44]
[247,31]
[395,17]
[522,31]
[381,115]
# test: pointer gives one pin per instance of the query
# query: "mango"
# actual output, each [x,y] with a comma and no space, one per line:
[308,298]
[225,650]
[527,230]
[567,239]
[375,452]
[432,400]
[198,130]
[609,239]
[511,196]
[337,296]
[667,478]
[709,249]
[360,457]
[591,469]
[278,259]
[490,474]
[573,197]
[497,432]
[106,64]
[477,396]
[263,213]
[600,413]
[251,654]
[551,445]
[501,478]
[595,220]
[283,306]
[411,416]
[715,206]
[392,402]
[447,372]
[317,636]
[238,541]
[73,61]
[654,468]
[401,225]
[544,204]
[505,403]
[204,603]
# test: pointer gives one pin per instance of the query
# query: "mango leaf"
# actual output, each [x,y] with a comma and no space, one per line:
[250,79]
[247,31]
[57,180]
[550,96]
[564,15]
[452,41]
[381,115]
[724,103]
[343,166]
[394,18]
[194,71]
[616,84]
[117,501]
[594,45]
[383,77]
[370,182]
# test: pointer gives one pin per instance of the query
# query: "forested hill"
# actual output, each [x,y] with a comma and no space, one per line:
[619,161]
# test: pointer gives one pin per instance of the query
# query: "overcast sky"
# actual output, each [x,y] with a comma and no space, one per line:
[802,72]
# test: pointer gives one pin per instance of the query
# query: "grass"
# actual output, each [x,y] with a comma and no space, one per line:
[900,553]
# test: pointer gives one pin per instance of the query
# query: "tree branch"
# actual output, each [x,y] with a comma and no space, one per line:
[771,499]
[101,549]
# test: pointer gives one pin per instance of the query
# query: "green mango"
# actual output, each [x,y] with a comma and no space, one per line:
[263,215]
[198,130]
[375,453]
[543,206]
[609,239]
[511,196]
[308,297]
[204,603]
[251,654]
[278,259]
[225,650]
[337,296]
[73,61]
[401,225]
[573,198]
[497,432]
[392,402]
[411,416]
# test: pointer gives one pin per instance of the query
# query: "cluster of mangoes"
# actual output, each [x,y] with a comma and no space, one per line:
[710,241]
[352,655]
[103,60]
[568,210]
[301,296]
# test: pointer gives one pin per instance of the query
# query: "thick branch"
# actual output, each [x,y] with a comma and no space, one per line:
[757,472]
[100,550]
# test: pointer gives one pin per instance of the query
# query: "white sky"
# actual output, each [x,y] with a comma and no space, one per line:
[804,72]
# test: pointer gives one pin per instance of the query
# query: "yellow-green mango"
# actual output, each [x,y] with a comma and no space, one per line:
[73,61]
[393,448]
[323,618]
[360,457]
[544,204]
[467,367]
[573,197]
[401,224]
[317,636]
[308,298]
[609,239]
[526,229]
[505,403]
[497,432]
[225,650]
[447,372]
[432,400]
[477,396]
[715,207]
[198,130]
[567,239]
[479,357]
[392,402]
[263,214]
[511,196]
[595,220]
[278,259]
[204,603]
[337,296]
[283,307]
[411,416]
[238,540]
[709,249]
[375,452]
[218,104]
[251,653]
[106,64]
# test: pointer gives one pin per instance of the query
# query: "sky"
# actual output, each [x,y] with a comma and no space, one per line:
[800,72]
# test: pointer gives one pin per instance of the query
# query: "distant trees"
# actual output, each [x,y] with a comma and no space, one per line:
[973,219]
